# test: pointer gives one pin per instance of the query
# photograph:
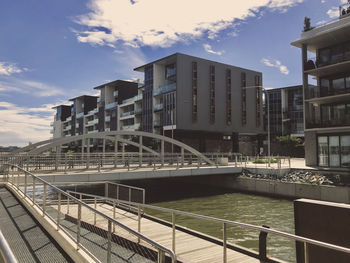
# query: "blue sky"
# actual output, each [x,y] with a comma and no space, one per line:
[51,51]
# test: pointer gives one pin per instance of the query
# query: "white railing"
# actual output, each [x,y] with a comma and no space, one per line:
[111,105]
[37,189]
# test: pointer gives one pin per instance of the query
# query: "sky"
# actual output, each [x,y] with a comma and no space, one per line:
[51,51]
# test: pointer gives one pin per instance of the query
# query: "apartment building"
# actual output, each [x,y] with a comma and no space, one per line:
[327,106]
[286,111]
[209,105]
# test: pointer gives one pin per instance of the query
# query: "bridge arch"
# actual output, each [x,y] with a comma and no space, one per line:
[116,136]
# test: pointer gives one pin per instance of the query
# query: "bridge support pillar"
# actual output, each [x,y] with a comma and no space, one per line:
[140,151]
[116,151]
[162,153]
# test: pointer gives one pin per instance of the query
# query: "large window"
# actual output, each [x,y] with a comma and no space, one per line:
[333,54]
[334,151]
[228,98]
[194,92]
[170,71]
[243,98]
[212,94]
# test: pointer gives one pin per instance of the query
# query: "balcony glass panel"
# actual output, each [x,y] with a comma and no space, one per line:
[345,150]
[165,89]
[80,115]
[111,105]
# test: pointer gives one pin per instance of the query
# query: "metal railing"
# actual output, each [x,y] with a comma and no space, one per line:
[51,201]
[6,254]
[263,230]
[134,160]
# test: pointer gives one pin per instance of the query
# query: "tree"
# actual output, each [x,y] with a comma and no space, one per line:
[290,146]
[307,24]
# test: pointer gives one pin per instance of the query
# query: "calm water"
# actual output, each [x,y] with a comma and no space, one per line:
[257,210]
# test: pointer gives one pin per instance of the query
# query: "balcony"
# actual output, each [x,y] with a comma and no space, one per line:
[92,112]
[129,100]
[158,107]
[157,123]
[165,89]
[138,111]
[80,115]
[126,114]
[107,129]
[128,127]
[68,127]
[92,131]
[345,121]
[111,105]
[317,68]
[107,118]
[92,122]
[325,95]
[69,118]
[138,97]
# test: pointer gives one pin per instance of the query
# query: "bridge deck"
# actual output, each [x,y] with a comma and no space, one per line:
[27,240]
[189,248]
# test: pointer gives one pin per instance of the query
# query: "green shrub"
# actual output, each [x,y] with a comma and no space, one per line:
[265,160]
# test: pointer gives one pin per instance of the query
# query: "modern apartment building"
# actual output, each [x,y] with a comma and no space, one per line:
[327,106]
[208,105]
[286,111]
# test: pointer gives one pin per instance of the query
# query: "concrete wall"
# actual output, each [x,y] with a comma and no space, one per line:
[323,221]
[184,97]
[310,148]
[290,190]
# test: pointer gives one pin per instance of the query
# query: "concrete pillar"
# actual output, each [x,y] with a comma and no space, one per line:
[182,156]
[123,152]
[116,151]
[140,151]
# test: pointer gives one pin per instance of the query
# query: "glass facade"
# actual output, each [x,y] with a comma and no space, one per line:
[194,92]
[243,98]
[334,151]
[257,101]
[228,97]
[335,54]
[212,95]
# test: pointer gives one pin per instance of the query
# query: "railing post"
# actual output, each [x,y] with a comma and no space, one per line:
[306,253]
[235,160]
[109,237]
[78,225]
[25,183]
[129,195]
[174,228]
[224,230]
[262,244]
[138,221]
[65,163]
[143,196]
[161,256]
[59,210]
[33,193]
[114,215]
[117,191]
[67,206]
[106,189]
[44,199]
[95,206]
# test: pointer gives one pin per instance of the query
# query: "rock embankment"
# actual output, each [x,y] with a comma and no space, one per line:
[308,177]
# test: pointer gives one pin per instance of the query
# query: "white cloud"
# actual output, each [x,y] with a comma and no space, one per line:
[20,125]
[322,22]
[333,12]
[33,88]
[276,64]
[208,48]
[7,68]
[164,22]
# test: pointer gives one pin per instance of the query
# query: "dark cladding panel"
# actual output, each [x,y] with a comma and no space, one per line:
[90,103]
[81,125]
[101,118]
[114,115]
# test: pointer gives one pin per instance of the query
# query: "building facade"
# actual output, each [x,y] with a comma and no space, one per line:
[208,105]
[327,106]
[286,111]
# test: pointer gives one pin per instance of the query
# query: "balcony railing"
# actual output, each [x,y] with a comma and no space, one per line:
[158,107]
[80,115]
[345,121]
[107,118]
[138,111]
[317,92]
[92,131]
[314,63]
[128,127]
[157,123]
[165,89]
[69,118]
[68,127]
[107,129]
[138,97]
[111,105]
[128,113]
[129,100]
[92,122]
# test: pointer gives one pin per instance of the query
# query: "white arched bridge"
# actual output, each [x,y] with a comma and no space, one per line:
[142,147]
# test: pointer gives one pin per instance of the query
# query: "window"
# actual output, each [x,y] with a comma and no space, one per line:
[228,98]
[212,95]
[170,71]
[257,101]
[243,99]
[322,150]
[334,158]
[345,150]
[194,92]
[324,56]
[338,84]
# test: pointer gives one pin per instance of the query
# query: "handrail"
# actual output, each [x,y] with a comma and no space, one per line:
[139,235]
[5,251]
[209,218]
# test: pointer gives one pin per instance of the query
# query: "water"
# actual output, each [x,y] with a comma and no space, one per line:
[252,209]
